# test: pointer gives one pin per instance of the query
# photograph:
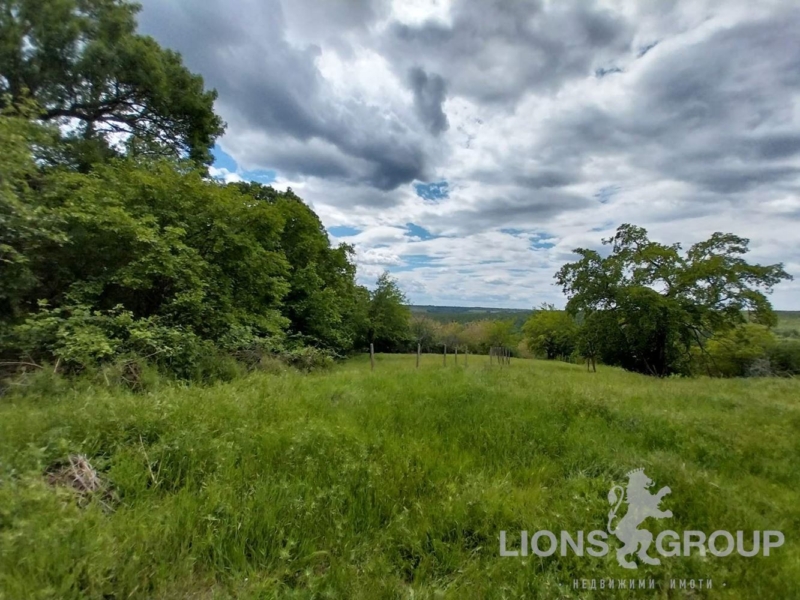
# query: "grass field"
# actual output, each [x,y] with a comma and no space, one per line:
[390,484]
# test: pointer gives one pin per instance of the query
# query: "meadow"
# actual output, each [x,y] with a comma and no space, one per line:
[392,483]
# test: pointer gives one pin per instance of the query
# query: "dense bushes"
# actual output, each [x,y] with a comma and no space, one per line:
[148,258]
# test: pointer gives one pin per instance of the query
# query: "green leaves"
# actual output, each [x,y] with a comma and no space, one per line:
[388,314]
[551,332]
[84,64]
[665,302]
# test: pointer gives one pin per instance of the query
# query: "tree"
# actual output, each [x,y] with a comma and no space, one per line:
[323,302]
[388,314]
[658,302]
[451,334]
[87,68]
[476,336]
[424,331]
[550,332]
[500,333]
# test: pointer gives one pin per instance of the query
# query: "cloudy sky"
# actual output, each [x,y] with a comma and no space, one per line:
[468,146]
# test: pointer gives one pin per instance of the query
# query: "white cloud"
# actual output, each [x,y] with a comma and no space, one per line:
[682,117]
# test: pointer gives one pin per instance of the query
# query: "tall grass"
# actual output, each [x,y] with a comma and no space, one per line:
[390,484]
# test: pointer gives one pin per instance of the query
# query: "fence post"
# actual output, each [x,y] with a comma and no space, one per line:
[456,347]
[372,356]
[419,349]
[444,356]
[466,355]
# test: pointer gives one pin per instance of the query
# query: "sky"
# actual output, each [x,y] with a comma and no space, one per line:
[468,146]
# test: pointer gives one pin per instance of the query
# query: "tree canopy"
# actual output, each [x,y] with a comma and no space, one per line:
[389,315]
[109,88]
[656,301]
[551,332]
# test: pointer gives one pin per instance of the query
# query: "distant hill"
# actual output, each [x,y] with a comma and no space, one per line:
[788,320]
[466,314]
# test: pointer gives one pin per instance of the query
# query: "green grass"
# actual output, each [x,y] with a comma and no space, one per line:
[391,484]
[788,323]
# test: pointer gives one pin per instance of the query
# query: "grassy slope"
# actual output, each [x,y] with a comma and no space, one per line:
[371,485]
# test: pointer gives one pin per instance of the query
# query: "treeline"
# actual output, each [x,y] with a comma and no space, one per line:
[658,310]
[744,350]
[116,248]
[465,315]
[142,257]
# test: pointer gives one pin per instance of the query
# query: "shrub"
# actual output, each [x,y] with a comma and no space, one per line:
[784,357]
[307,358]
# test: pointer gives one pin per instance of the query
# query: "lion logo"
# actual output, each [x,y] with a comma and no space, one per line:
[641,505]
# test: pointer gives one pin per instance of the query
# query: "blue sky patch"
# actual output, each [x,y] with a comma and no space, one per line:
[541,241]
[433,192]
[414,261]
[601,72]
[604,194]
[419,232]
[343,231]
[223,160]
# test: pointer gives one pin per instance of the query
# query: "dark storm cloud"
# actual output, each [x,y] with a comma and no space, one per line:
[266,84]
[517,208]
[717,114]
[429,93]
[495,51]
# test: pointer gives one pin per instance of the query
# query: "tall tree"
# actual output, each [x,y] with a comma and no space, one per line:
[89,71]
[550,332]
[658,302]
[324,305]
[388,314]
[424,330]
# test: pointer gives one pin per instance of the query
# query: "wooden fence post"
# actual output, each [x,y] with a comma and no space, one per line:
[456,347]
[372,356]
[419,349]
[444,356]
[466,356]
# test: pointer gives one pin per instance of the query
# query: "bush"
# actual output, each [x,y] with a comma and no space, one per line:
[307,358]
[784,357]
[739,352]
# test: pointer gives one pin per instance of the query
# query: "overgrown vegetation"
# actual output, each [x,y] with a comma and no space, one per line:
[357,484]
[650,308]
[115,246]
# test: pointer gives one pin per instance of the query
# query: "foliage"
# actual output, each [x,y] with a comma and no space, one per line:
[388,314]
[551,333]
[784,357]
[87,68]
[661,302]
[148,257]
[324,305]
[356,484]
[307,358]
[732,353]
[424,331]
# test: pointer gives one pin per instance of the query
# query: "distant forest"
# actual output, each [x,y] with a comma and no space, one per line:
[788,320]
